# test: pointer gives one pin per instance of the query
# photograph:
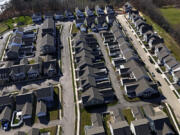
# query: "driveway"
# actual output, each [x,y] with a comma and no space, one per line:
[166,90]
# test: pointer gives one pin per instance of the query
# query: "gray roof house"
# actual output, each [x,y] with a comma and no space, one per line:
[176,77]
[47,45]
[13,53]
[48,27]
[99,10]
[41,109]
[140,127]
[5,116]
[79,13]
[6,101]
[50,67]
[36,17]
[46,95]
[120,125]
[109,9]
[18,72]
[27,110]
[89,12]
[20,133]
[97,126]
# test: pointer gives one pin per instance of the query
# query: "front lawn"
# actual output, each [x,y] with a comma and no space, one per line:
[131,99]
[85,120]
[74,29]
[128,115]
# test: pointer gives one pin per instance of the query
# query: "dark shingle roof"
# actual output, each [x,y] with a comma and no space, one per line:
[27,109]
[34,131]
[41,107]
[6,114]
[48,24]
[44,92]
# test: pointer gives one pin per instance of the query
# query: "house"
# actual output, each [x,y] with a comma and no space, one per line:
[34,70]
[48,15]
[27,111]
[93,27]
[83,28]
[145,28]
[89,21]
[97,125]
[13,53]
[4,75]
[79,22]
[110,19]
[46,95]
[109,9]
[141,88]
[47,45]
[154,40]
[89,12]
[139,22]
[20,133]
[50,67]
[140,127]
[99,10]
[102,26]
[170,63]
[5,116]
[18,72]
[59,16]
[41,109]
[69,15]
[120,125]
[36,17]
[48,27]
[161,56]
[79,13]
[6,101]
[127,7]
[160,48]
[34,131]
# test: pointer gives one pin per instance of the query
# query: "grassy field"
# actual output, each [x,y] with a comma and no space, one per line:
[169,41]
[128,115]
[85,120]
[172,15]
[3,27]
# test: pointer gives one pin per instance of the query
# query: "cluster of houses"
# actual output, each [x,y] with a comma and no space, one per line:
[26,61]
[21,107]
[156,45]
[134,76]
[91,73]
[94,19]
[146,121]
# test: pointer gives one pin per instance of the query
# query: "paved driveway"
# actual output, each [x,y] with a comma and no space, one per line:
[168,93]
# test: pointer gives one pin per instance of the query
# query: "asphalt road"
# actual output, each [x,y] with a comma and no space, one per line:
[68,120]
[166,90]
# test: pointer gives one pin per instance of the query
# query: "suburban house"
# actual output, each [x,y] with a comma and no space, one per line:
[89,21]
[120,125]
[83,28]
[97,125]
[36,17]
[109,9]
[89,12]
[127,7]
[34,131]
[144,28]
[13,53]
[20,133]
[59,16]
[99,10]
[48,27]
[69,15]
[46,95]
[79,13]
[5,116]
[24,104]
[93,27]
[110,19]
[176,77]
[50,67]
[18,72]
[41,109]
[79,22]
[47,45]
[154,40]
[34,70]
[6,101]
[48,15]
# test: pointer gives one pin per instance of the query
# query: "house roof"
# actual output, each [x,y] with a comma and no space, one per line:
[20,133]
[96,119]
[137,113]
[41,107]
[162,55]
[148,110]
[121,127]
[34,131]
[171,63]
[95,131]
[47,40]
[44,92]
[27,109]
[6,100]
[118,115]
[167,130]
[142,127]
[48,24]
[6,114]
[177,74]
[22,99]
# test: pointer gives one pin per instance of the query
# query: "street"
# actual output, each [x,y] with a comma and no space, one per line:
[166,90]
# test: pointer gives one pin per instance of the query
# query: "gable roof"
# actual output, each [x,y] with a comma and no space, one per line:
[6,114]
[48,24]
[44,92]
[34,131]
[27,109]
[41,107]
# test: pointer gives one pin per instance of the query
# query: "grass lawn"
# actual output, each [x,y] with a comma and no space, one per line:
[74,29]
[85,120]
[171,14]
[169,41]
[131,99]
[128,115]
[52,130]
[54,113]
[3,27]
[106,118]
[32,61]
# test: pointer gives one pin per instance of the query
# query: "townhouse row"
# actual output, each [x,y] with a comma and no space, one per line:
[156,44]
[91,73]
[133,74]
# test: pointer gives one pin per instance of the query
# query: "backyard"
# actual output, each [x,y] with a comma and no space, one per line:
[85,120]
[52,130]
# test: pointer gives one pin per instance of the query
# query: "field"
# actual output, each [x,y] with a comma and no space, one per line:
[172,15]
